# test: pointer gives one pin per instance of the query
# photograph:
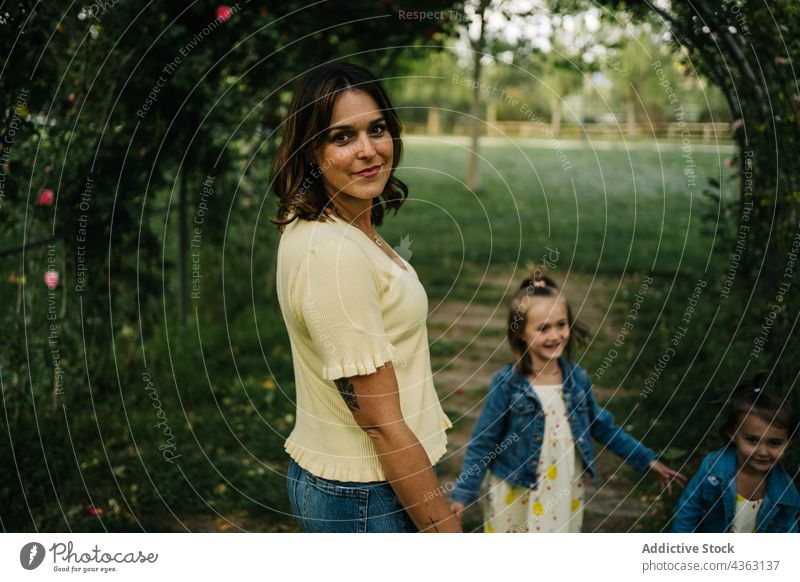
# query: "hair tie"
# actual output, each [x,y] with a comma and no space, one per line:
[758,383]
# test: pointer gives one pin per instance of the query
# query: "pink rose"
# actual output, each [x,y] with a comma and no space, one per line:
[224,12]
[51,279]
[46,197]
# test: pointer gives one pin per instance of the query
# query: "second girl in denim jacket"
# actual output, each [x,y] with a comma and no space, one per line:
[744,486]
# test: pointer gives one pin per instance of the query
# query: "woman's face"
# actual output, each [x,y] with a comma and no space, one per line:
[356,154]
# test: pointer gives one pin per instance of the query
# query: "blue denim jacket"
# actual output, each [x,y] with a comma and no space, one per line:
[709,502]
[507,439]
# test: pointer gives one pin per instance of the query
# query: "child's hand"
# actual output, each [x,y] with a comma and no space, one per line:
[457,508]
[665,476]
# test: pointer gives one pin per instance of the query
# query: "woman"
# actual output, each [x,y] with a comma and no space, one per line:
[369,424]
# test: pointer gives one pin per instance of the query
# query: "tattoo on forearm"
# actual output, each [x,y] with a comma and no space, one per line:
[348,392]
[433,523]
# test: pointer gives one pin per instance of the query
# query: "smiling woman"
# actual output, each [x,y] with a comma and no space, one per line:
[369,424]
[365,134]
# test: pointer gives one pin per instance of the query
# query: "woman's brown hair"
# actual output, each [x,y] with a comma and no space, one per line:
[295,176]
[537,285]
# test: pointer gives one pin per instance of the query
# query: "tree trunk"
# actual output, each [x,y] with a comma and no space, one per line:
[183,245]
[555,118]
[478,46]
[434,126]
[630,113]
[584,107]
[491,119]
[473,176]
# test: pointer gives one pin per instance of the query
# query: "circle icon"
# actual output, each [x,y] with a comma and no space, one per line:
[31,555]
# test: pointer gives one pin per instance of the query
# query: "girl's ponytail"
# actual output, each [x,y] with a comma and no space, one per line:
[538,280]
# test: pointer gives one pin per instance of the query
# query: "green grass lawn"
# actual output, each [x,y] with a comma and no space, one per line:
[614,211]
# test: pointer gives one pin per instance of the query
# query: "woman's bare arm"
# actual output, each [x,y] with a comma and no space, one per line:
[375,403]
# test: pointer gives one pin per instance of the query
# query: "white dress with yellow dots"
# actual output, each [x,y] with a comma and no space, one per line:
[746,516]
[556,505]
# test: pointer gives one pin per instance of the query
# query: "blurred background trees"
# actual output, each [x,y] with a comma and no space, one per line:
[136,244]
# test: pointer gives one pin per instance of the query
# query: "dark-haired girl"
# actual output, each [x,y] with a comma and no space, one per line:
[534,434]
[743,487]
[369,424]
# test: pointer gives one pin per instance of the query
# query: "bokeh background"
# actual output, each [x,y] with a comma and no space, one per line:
[645,153]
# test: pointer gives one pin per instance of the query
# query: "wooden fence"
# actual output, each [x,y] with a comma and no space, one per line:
[704,132]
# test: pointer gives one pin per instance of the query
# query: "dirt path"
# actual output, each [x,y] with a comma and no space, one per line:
[468,346]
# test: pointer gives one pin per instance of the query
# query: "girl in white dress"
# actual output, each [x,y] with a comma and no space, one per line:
[534,435]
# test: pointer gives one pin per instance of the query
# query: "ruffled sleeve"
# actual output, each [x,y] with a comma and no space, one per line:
[336,294]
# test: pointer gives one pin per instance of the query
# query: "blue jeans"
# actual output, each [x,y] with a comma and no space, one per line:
[326,506]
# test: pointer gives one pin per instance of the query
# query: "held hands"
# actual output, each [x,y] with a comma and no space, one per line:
[665,476]
[457,508]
